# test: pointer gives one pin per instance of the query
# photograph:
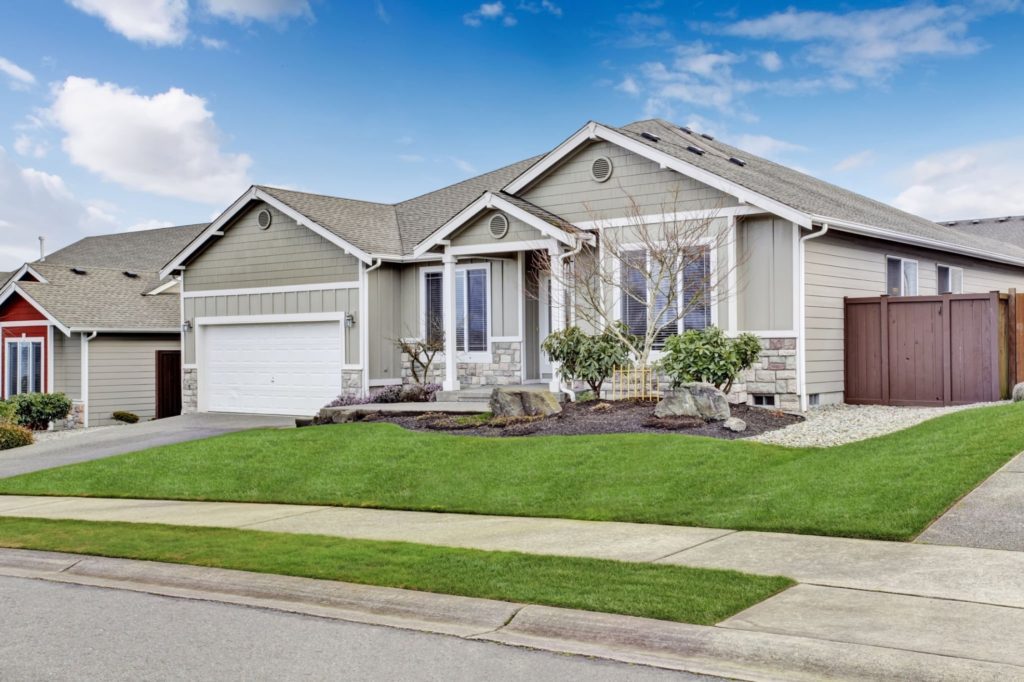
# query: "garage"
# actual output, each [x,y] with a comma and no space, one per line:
[289,368]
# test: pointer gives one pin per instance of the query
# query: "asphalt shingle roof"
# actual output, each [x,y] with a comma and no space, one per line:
[142,250]
[1005,229]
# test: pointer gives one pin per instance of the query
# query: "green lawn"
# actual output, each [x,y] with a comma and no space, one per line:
[889,487]
[689,595]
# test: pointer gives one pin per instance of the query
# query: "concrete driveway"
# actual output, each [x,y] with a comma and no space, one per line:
[104,442]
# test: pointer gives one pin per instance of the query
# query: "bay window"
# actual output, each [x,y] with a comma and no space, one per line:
[24,366]
[640,280]
[472,303]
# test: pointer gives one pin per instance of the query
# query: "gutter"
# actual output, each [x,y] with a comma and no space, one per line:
[801,318]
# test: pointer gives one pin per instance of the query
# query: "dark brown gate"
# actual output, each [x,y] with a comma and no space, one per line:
[168,383]
[930,350]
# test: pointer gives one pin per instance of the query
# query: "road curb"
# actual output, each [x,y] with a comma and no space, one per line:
[737,654]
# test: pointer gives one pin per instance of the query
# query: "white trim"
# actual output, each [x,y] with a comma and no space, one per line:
[124,330]
[596,131]
[521,299]
[351,367]
[465,356]
[288,288]
[7,357]
[903,274]
[767,333]
[801,313]
[14,288]
[49,359]
[951,268]
[506,339]
[490,201]
[256,194]
[20,272]
[85,339]
[498,247]
[190,365]
[162,287]
[733,294]
[678,216]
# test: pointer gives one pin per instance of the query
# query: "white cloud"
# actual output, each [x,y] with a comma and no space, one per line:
[382,12]
[34,203]
[158,22]
[853,161]
[166,144]
[538,7]
[243,11]
[509,20]
[967,182]
[213,43]
[697,75]
[489,11]
[765,145]
[770,61]
[463,165]
[20,78]
[26,146]
[629,86]
[151,224]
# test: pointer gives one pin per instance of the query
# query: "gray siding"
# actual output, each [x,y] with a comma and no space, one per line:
[569,190]
[764,277]
[478,232]
[122,375]
[839,265]
[67,364]
[281,303]
[385,320]
[286,253]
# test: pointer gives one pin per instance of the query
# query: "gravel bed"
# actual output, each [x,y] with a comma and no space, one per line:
[838,424]
[47,436]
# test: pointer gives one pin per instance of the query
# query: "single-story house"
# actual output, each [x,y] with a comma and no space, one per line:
[290,298]
[95,321]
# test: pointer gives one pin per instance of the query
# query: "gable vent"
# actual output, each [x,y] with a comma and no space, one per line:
[78,271]
[498,225]
[601,169]
[650,136]
[263,219]
[738,162]
[695,149]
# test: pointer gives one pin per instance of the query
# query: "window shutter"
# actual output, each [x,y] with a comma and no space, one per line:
[634,292]
[697,289]
[434,314]
[476,309]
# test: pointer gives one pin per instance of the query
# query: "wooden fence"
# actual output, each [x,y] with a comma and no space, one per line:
[951,349]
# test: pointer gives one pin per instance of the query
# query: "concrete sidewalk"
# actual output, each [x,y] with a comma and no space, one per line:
[958,601]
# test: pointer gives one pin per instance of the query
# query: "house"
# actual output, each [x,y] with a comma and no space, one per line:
[290,298]
[95,321]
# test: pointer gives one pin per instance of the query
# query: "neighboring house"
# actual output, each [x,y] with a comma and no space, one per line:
[94,320]
[291,298]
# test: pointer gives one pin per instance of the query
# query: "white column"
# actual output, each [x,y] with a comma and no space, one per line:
[732,277]
[451,368]
[85,379]
[557,303]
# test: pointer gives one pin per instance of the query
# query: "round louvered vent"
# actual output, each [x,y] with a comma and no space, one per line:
[601,169]
[263,219]
[499,225]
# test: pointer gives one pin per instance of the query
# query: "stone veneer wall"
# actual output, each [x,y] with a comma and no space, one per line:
[351,384]
[505,368]
[773,374]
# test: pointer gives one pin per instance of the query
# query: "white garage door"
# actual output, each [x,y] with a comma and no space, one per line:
[288,368]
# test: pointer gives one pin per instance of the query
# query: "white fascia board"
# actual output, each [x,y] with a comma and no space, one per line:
[912,240]
[29,269]
[256,194]
[499,247]
[162,287]
[596,131]
[491,201]
[121,330]
[13,288]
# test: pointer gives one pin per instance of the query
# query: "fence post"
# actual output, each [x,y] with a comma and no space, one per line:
[993,298]
[947,349]
[1011,335]
[883,311]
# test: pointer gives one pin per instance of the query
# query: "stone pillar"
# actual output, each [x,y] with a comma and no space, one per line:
[451,369]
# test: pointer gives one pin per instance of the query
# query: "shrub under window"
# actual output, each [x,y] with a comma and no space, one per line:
[708,355]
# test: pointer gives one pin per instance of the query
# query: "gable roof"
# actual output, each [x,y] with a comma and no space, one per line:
[141,250]
[1005,229]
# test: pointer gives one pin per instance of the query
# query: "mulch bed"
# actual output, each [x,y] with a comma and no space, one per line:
[594,418]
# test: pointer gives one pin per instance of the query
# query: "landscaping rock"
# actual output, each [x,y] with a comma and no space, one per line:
[735,424]
[694,400]
[1018,393]
[511,401]
[412,393]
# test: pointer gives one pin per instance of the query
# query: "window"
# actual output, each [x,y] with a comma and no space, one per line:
[471,307]
[760,400]
[637,288]
[901,276]
[950,279]
[24,366]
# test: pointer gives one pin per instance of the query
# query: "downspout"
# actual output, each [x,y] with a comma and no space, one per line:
[801,342]
[85,377]
[560,262]
[364,327]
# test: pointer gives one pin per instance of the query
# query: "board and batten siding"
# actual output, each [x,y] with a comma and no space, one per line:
[764,274]
[569,191]
[285,253]
[122,375]
[67,365]
[385,322]
[478,232]
[278,303]
[839,265]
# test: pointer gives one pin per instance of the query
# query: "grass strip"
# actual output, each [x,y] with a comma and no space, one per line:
[676,593]
[890,487]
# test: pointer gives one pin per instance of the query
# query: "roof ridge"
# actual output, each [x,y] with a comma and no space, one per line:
[325,196]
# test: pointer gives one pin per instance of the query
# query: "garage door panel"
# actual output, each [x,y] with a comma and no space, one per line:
[286,368]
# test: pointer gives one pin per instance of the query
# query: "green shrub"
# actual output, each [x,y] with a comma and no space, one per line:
[710,356]
[14,436]
[8,414]
[587,357]
[37,410]
[126,417]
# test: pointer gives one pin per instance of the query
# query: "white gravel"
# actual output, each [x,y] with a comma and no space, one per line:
[837,424]
[47,436]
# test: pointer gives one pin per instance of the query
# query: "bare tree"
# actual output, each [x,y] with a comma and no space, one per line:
[422,352]
[645,279]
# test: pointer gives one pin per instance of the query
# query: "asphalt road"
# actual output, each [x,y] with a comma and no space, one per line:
[56,631]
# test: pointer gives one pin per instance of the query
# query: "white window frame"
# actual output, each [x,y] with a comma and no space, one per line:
[656,354]
[42,361]
[951,269]
[484,356]
[903,275]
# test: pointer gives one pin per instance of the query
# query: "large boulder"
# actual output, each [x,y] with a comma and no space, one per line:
[413,393]
[1018,393]
[735,424]
[694,400]
[515,401]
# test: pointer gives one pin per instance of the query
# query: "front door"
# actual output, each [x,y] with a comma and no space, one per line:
[544,322]
[168,383]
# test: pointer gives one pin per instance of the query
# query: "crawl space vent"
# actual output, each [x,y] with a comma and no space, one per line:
[263,219]
[499,225]
[601,169]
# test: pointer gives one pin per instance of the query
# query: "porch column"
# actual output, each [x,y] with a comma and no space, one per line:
[557,303]
[451,368]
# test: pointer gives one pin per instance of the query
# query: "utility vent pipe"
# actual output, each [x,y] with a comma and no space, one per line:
[42,248]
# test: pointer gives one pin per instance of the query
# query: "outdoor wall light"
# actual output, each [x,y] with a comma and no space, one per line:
[186,327]
[350,320]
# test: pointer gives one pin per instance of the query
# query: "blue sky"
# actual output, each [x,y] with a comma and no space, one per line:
[121,114]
